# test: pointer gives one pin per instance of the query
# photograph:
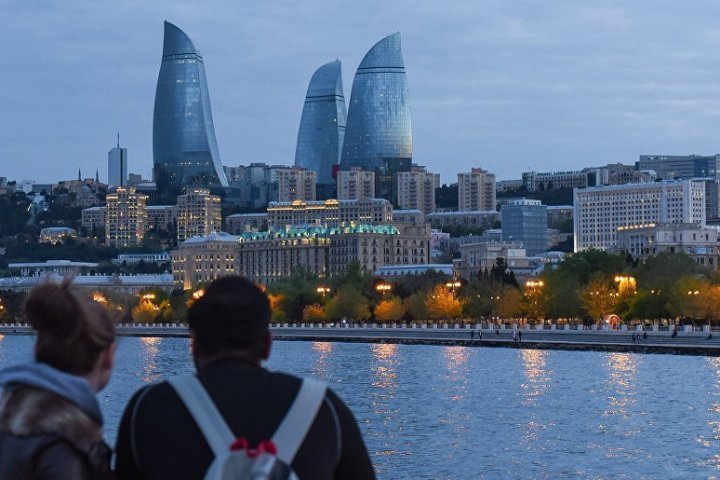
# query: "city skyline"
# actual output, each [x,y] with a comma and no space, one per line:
[504,87]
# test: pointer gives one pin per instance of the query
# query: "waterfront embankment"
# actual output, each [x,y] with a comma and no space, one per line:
[685,342]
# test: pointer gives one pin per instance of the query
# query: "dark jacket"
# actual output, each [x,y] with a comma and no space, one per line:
[158,439]
[44,436]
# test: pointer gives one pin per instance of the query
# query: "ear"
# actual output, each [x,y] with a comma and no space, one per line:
[267,346]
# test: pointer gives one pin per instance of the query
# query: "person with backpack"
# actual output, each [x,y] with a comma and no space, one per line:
[236,419]
[50,419]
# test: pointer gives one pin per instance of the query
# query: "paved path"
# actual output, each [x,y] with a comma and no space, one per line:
[695,343]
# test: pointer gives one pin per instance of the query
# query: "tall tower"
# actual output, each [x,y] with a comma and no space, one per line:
[185,151]
[378,135]
[117,166]
[322,125]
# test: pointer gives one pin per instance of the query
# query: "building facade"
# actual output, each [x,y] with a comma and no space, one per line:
[526,221]
[56,235]
[416,189]
[601,211]
[198,214]
[125,217]
[378,136]
[322,125]
[329,212]
[185,151]
[476,190]
[93,218]
[161,217]
[297,184]
[696,241]
[355,184]
[669,167]
[480,256]
[474,220]
[204,259]
[243,222]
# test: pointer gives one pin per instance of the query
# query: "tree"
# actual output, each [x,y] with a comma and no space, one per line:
[599,298]
[441,303]
[391,310]
[349,303]
[415,306]
[313,313]
[508,306]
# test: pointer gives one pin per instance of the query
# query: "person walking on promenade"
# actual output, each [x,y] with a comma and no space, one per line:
[50,420]
[674,333]
[472,334]
[634,337]
[515,332]
[519,336]
[645,337]
[230,338]
[480,334]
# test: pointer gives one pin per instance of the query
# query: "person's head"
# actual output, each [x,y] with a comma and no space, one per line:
[232,318]
[74,334]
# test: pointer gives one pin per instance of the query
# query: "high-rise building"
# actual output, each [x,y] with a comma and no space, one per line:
[185,151]
[125,217]
[329,212]
[355,184]
[198,214]
[296,184]
[322,125]
[378,136]
[476,190]
[601,211]
[117,166]
[416,189]
[526,221]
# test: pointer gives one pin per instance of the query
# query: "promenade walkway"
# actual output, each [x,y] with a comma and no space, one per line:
[685,342]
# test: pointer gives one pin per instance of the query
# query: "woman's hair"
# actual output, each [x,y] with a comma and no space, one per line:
[72,330]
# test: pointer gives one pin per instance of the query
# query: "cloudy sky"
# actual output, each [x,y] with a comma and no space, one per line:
[504,85]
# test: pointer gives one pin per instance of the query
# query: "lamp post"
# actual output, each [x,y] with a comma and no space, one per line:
[454,285]
[383,288]
[323,290]
[533,287]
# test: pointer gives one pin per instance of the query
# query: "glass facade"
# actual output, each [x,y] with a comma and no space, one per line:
[379,129]
[322,125]
[185,150]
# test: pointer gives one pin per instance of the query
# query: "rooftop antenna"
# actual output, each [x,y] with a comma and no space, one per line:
[118,146]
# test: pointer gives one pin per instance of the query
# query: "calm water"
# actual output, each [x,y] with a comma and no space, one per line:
[458,412]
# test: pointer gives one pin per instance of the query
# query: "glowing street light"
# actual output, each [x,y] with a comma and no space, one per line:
[198,293]
[383,288]
[323,290]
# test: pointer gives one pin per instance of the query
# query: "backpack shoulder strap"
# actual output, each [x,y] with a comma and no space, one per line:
[204,412]
[298,420]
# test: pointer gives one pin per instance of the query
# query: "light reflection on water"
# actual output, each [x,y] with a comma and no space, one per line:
[466,413]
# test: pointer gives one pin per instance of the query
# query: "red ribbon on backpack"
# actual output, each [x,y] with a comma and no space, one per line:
[265,446]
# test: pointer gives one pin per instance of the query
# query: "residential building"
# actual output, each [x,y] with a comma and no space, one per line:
[378,136]
[56,235]
[198,214]
[185,151]
[559,215]
[600,211]
[60,267]
[125,217]
[296,184]
[696,241]
[526,221]
[416,189]
[355,184]
[243,222]
[133,258]
[413,216]
[329,212]
[322,126]
[161,217]
[93,218]
[399,271]
[476,190]
[204,259]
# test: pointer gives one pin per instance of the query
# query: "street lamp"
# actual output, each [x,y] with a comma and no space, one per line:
[454,285]
[383,288]
[323,290]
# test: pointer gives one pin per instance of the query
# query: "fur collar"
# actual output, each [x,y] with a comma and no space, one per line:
[26,411]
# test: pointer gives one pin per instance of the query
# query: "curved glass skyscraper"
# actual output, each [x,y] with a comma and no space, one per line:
[322,125]
[185,150]
[379,130]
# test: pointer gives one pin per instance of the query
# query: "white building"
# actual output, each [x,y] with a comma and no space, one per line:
[696,241]
[56,235]
[93,218]
[117,166]
[329,212]
[601,211]
[198,214]
[126,217]
[296,184]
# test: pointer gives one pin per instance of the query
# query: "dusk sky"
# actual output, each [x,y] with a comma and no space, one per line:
[506,86]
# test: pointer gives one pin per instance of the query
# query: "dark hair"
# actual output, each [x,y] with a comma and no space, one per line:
[233,314]
[72,330]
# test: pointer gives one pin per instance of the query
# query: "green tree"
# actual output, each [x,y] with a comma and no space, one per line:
[349,303]
[415,306]
[599,297]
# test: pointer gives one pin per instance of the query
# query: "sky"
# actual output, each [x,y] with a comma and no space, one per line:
[508,86]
